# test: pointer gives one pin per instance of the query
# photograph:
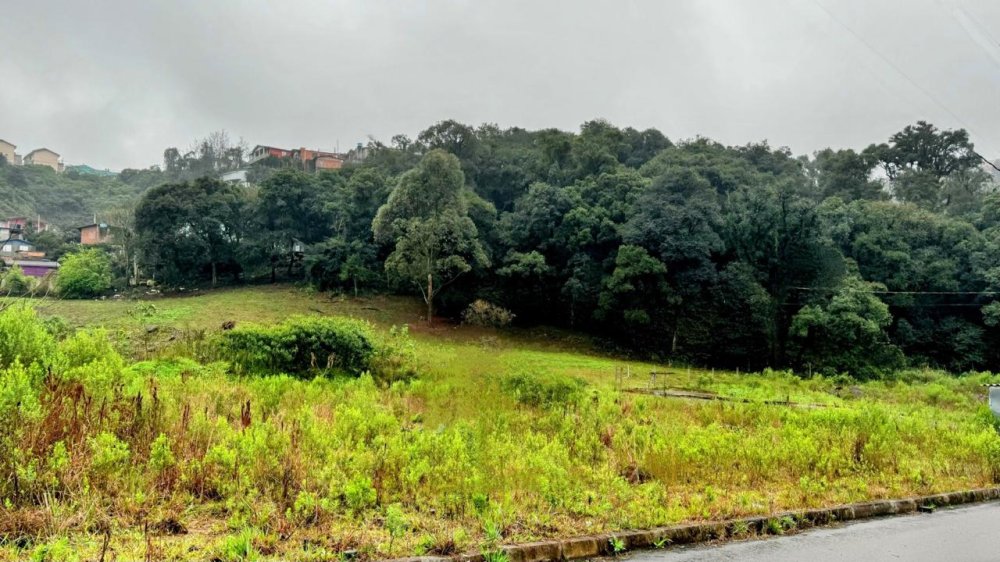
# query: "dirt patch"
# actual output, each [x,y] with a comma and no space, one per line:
[168,526]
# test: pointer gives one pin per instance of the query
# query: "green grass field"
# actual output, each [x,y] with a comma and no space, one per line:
[496,441]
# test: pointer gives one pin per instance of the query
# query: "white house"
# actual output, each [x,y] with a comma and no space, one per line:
[238,177]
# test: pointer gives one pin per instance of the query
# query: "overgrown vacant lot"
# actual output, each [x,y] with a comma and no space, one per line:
[162,436]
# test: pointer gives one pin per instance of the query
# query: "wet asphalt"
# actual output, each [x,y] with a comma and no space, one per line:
[965,534]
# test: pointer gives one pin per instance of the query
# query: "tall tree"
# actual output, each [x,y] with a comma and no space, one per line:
[918,159]
[846,174]
[777,232]
[349,259]
[124,237]
[292,209]
[426,221]
[186,228]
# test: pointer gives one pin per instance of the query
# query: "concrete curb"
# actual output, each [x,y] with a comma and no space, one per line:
[591,546]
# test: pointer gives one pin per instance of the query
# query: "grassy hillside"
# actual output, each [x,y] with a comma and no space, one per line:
[505,436]
[67,200]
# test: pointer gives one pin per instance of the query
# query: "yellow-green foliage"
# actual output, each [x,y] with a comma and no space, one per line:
[493,443]
[84,274]
[22,337]
[543,388]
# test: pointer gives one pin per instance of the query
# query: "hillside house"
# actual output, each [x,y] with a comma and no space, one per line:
[358,154]
[15,245]
[37,224]
[7,150]
[20,224]
[44,157]
[326,162]
[315,160]
[16,251]
[94,234]
[307,158]
[236,177]
[261,152]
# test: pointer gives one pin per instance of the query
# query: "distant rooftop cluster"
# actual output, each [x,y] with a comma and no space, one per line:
[17,251]
[311,160]
[46,157]
[37,157]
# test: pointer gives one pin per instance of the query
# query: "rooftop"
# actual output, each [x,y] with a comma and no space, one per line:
[43,149]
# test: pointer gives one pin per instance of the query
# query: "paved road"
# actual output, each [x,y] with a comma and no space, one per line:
[966,534]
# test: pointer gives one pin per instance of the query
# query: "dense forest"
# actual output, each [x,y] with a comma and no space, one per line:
[731,256]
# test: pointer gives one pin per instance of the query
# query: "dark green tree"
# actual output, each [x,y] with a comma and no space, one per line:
[426,222]
[846,333]
[190,228]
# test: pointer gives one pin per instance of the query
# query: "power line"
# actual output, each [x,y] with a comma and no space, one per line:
[977,32]
[878,292]
[895,67]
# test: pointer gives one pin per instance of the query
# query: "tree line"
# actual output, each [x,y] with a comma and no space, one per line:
[747,256]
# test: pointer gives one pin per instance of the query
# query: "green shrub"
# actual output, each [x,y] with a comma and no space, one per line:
[395,356]
[306,345]
[239,547]
[90,346]
[58,550]
[15,282]
[396,523]
[19,394]
[84,274]
[57,326]
[307,508]
[109,454]
[161,457]
[88,357]
[544,389]
[23,337]
[360,494]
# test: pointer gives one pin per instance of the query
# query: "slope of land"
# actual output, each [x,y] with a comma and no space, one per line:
[66,200]
[494,442]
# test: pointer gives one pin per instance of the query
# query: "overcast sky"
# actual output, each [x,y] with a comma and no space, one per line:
[111,84]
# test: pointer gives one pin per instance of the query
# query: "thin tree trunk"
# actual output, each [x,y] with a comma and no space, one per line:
[214,274]
[430,298]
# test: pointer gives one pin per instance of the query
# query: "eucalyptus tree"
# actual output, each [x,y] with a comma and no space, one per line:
[426,222]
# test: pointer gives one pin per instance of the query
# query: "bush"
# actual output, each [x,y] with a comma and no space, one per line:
[84,274]
[57,326]
[23,337]
[484,313]
[58,550]
[544,389]
[16,283]
[395,356]
[240,547]
[360,494]
[108,454]
[306,345]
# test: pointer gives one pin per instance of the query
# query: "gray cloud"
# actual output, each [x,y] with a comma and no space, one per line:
[113,83]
